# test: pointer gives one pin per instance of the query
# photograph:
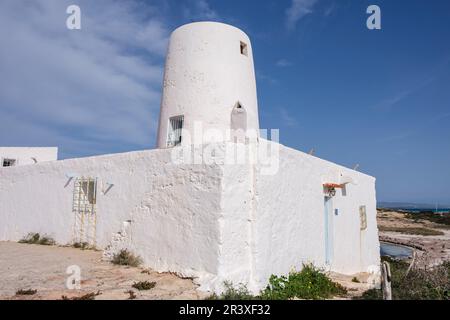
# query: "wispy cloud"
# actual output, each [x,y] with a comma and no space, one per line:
[330,9]
[287,118]
[390,102]
[90,91]
[283,63]
[264,77]
[298,10]
[199,10]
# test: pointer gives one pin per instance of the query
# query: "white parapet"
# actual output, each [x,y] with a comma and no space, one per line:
[19,156]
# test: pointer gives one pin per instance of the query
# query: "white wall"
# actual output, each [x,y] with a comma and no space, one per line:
[289,225]
[205,76]
[28,155]
[215,222]
[173,208]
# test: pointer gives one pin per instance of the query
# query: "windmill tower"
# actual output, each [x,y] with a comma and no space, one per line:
[209,86]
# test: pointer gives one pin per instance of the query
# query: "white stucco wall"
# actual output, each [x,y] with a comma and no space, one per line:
[28,155]
[214,221]
[289,224]
[173,209]
[205,76]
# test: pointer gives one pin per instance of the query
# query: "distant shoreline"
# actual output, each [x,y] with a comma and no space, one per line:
[414,210]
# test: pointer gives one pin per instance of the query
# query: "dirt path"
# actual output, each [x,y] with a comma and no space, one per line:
[43,268]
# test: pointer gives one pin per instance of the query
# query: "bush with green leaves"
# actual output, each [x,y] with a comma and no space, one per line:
[234,293]
[309,283]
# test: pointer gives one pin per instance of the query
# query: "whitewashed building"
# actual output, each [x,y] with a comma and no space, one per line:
[215,201]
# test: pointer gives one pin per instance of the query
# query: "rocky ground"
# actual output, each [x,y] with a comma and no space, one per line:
[431,240]
[43,268]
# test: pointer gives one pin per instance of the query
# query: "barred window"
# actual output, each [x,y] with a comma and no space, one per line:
[175,131]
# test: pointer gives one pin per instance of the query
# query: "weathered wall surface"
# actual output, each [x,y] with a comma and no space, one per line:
[290,219]
[168,214]
[28,155]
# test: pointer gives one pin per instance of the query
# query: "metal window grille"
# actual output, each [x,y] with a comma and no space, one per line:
[175,131]
[84,209]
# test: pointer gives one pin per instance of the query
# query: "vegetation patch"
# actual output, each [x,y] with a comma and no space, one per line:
[131,295]
[356,280]
[82,245]
[309,283]
[413,231]
[443,218]
[418,284]
[88,296]
[28,292]
[126,258]
[36,238]
[144,285]
[233,293]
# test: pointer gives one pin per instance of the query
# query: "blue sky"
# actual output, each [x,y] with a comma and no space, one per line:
[377,98]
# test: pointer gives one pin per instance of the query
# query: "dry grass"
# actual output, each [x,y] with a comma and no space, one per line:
[412,231]
[28,292]
[126,258]
[36,238]
[144,285]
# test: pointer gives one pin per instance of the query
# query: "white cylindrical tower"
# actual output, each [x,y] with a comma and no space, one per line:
[209,85]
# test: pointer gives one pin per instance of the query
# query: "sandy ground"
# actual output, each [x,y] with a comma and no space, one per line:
[43,268]
[433,249]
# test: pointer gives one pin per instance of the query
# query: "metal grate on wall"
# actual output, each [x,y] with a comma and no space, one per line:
[84,209]
[175,131]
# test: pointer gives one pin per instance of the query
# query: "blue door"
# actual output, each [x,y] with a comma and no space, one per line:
[328,225]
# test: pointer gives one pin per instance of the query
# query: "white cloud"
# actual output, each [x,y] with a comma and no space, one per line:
[89,91]
[287,118]
[283,63]
[297,10]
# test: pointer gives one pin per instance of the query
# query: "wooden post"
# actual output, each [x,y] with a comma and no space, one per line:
[386,281]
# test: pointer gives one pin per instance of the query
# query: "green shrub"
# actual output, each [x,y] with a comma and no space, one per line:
[35,238]
[144,285]
[126,258]
[239,293]
[309,283]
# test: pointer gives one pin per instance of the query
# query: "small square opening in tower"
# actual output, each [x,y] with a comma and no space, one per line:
[8,162]
[244,49]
